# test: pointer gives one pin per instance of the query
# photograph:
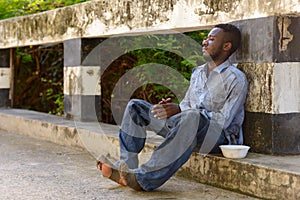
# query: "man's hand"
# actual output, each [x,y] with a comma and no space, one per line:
[165,108]
[164,101]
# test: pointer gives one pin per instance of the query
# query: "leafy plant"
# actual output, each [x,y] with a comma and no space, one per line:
[178,51]
[14,8]
[39,79]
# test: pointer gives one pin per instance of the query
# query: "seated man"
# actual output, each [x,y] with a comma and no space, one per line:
[211,114]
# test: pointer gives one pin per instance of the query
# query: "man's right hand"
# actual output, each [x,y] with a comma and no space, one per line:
[165,108]
[164,101]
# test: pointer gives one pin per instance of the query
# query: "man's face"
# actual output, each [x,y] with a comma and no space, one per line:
[213,44]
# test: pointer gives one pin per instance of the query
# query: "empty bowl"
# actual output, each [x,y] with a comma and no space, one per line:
[234,151]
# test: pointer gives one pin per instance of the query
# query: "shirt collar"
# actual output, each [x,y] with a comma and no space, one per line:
[219,68]
[223,66]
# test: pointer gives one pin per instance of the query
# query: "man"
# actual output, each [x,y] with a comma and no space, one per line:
[211,114]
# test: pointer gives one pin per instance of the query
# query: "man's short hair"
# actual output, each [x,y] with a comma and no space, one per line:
[233,35]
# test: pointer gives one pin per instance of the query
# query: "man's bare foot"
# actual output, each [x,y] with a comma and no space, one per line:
[122,175]
[109,170]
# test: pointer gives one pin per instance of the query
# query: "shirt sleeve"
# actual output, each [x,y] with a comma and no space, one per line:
[185,104]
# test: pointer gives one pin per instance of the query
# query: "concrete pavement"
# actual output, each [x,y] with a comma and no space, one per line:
[32,168]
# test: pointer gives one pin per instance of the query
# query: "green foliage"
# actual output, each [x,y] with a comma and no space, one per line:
[11,8]
[181,52]
[14,8]
[39,79]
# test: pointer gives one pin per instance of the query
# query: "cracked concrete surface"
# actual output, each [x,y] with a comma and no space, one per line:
[37,169]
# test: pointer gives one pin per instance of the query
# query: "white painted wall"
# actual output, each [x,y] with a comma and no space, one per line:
[82,80]
[4,78]
[286,98]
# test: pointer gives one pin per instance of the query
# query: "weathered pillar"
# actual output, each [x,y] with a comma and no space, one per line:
[270,57]
[81,81]
[4,77]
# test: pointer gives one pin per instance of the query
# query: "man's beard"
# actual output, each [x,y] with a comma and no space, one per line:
[212,57]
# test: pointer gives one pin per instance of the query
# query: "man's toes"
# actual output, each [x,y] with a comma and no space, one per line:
[106,170]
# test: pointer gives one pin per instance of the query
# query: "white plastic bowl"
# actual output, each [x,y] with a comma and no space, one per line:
[234,151]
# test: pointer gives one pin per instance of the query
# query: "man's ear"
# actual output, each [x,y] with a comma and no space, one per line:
[227,46]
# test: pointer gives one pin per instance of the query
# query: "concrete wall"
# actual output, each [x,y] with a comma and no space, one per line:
[104,18]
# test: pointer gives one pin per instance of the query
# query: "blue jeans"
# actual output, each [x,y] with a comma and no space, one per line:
[183,133]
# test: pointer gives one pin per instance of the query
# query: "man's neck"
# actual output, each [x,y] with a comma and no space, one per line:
[214,64]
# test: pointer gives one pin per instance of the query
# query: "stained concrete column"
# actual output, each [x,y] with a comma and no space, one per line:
[4,77]
[82,90]
[270,58]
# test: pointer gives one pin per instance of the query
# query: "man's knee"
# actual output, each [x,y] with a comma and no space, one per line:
[132,102]
[138,111]
[135,103]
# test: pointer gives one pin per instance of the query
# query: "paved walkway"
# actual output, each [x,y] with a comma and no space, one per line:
[36,169]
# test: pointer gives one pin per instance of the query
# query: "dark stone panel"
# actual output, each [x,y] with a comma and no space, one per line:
[68,106]
[90,108]
[4,57]
[4,98]
[82,108]
[77,50]
[287,133]
[72,52]
[89,45]
[292,53]
[262,39]
[257,40]
[272,134]
[258,132]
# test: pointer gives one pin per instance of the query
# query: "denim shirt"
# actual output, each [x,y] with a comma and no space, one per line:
[220,97]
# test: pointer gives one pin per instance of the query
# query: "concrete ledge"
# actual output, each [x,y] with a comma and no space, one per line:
[105,18]
[264,176]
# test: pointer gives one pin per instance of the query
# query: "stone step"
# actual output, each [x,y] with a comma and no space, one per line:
[263,176]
